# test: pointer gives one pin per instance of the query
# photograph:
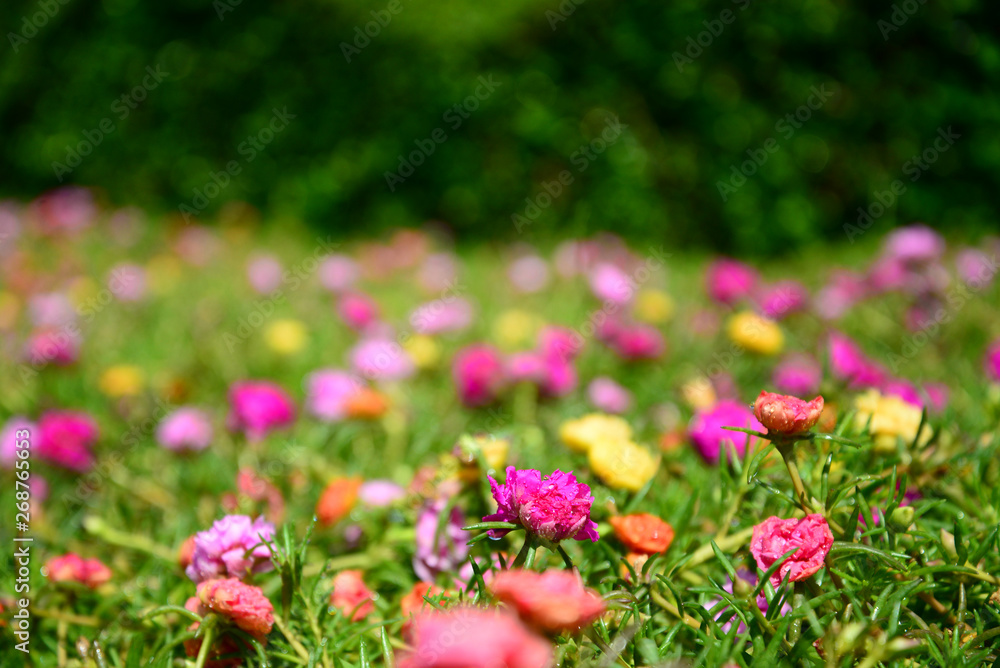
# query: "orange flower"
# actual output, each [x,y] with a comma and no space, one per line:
[637,560]
[337,500]
[413,602]
[643,533]
[351,595]
[367,404]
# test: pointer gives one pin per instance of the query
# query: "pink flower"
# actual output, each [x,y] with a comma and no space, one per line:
[197,245]
[914,243]
[439,551]
[338,272]
[843,291]
[381,359]
[328,392]
[380,493]
[559,342]
[9,439]
[551,602]
[558,377]
[610,284]
[352,596]
[264,273]
[784,414]
[69,209]
[51,310]
[438,272]
[186,428]
[478,372]
[526,367]
[244,605]
[60,347]
[473,637]
[991,363]
[358,311]
[729,281]
[528,274]
[904,390]
[848,363]
[233,547]
[67,439]
[775,536]
[797,374]
[636,342]
[72,568]
[127,282]
[441,316]
[783,298]
[608,396]
[975,268]
[258,407]
[710,439]
[937,395]
[555,507]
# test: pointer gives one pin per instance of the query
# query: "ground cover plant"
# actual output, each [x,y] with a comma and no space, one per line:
[222,447]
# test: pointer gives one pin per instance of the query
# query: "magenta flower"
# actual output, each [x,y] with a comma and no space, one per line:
[729,281]
[774,537]
[358,311]
[328,392]
[441,315]
[187,428]
[610,284]
[991,363]
[783,298]
[555,507]
[66,439]
[8,439]
[559,342]
[526,367]
[638,342]
[608,396]
[914,243]
[558,377]
[233,547]
[60,347]
[441,551]
[710,439]
[478,371]
[797,375]
[258,407]
[848,363]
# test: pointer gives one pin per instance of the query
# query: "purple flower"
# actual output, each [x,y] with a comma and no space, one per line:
[608,396]
[233,547]
[258,407]
[328,391]
[555,507]
[51,309]
[708,436]
[441,552]
[187,428]
[798,375]
[848,363]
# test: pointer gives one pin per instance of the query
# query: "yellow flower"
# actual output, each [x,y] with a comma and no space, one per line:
[623,464]
[582,434]
[755,333]
[424,351]
[493,450]
[163,272]
[891,418]
[515,328]
[123,380]
[286,336]
[654,306]
[699,393]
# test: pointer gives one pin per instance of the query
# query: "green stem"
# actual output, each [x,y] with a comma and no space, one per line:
[526,557]
[787,450]
[207,637]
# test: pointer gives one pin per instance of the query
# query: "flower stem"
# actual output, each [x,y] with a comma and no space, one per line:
[206,641]
[526,557]
[787,451]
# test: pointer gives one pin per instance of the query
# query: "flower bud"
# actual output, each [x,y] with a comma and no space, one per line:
[901,518]
[785,414]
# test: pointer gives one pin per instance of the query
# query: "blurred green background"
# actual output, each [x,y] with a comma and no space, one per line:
[696,89]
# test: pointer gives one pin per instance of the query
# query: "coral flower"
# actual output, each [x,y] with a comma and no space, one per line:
[555,507]
[337,500]
[72,568]
[551,602]
[66,439]
[623,464]
[232,547]
[581,434]
[710,438]
[352,596]
[643,533]
[479,376]
[259,407]
[783,414]
[473,637]
[244,605]
[774,537]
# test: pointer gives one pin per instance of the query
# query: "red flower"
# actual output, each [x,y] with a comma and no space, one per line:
[774,537]
[785,414]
